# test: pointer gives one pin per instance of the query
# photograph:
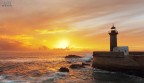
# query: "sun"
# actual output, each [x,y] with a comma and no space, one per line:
[62,44]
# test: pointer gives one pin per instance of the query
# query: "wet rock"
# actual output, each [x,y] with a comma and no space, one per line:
[76,66]
[63,69]
[85,64]
[73,56]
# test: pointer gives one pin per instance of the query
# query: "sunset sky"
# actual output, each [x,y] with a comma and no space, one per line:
[75,24]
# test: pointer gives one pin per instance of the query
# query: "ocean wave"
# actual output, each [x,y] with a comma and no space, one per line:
[42,79]
[87,58]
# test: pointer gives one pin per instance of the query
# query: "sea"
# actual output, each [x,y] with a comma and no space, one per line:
[43,67]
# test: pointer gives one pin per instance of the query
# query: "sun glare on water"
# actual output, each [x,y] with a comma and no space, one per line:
[62,44]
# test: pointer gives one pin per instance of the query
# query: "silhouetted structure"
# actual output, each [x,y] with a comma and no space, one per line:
[119,58]
[113,38]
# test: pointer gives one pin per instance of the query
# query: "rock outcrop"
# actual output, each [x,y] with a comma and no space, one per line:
[73,56]
[63,69]
[76,66]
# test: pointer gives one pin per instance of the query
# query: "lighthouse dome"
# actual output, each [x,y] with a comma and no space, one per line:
[113,27]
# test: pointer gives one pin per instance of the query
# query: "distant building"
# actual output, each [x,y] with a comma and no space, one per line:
[113,42]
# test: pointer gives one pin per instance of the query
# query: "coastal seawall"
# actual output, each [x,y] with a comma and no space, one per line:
[117,61]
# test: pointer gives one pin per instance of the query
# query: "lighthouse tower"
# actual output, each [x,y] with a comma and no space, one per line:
[113,38]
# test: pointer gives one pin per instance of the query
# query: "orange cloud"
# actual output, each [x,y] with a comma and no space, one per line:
[84,22]
[7,44]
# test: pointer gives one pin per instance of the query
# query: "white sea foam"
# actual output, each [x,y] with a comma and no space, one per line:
[87,58]
[61,73]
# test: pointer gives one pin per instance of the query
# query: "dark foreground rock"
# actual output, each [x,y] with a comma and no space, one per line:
[85,64]
[76,66]
[73,56]
[63,69]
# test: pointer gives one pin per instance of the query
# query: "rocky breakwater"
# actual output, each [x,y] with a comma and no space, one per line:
[77,62]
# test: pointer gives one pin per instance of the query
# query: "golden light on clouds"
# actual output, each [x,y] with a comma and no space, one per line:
[71,23]
[63,44]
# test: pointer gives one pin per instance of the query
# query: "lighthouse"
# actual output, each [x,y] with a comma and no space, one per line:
[113,38]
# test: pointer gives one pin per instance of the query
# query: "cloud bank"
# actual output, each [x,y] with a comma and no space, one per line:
[81,20]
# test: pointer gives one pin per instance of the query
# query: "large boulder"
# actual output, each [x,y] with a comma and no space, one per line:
[85,64]
[63,69]
[73,56]
[76,66]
